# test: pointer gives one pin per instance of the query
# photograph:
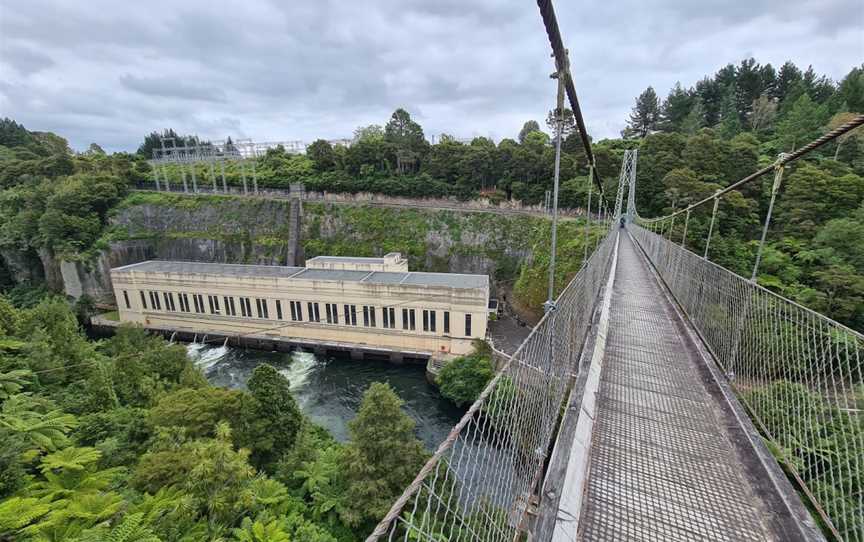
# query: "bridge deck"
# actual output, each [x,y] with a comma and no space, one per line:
[662,465]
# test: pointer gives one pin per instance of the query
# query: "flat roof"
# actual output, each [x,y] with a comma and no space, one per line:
[347,259]
[448,280]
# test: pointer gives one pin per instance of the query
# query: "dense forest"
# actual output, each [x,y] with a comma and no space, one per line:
[123,439]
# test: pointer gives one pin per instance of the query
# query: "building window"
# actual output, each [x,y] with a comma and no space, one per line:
[313,314]
[143,300]
[230,308]
[169,301]
[369,315]
[408,319]
[245,310]
[261,306]
[278,310]
[126,299]
[154,301]
[198,300]
[213,301]
[428,320]
[297,311]
[446,322]
[467,325]
[184,302]
[351,315]
[332,310]
[389,314]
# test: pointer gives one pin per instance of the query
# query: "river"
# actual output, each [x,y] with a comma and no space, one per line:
[329,390]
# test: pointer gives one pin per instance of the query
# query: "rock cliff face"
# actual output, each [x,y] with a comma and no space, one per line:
[277,232]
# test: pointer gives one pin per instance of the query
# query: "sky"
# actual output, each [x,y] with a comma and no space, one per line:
[273,70]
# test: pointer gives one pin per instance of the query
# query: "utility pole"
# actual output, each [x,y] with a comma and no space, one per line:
[561,76]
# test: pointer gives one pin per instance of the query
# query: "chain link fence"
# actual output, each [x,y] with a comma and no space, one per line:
[798,373]
[480,483]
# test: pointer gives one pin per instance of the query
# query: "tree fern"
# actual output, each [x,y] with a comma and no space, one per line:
[259,531]
[13,382]
[46,430]
[18,512]
[133,528]
[70,459]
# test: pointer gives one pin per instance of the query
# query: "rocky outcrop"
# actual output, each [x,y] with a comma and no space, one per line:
[278,232]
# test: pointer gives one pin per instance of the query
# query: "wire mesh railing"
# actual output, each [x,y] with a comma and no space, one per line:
[480,483]
[799,374]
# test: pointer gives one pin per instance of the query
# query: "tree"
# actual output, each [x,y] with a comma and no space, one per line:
[273,419]
[527,128]
[730,122]
[198,410]
[382,457]
[787,79]
[838,120]
[801,124]
[154,140]
[710,93]
[762,113]
[851,90]
[568,127]
[676,108]
[407,138]
[95,150]
[645,115]
[372,132]
[218,477]
[695,118]
[462,379]
[322,155]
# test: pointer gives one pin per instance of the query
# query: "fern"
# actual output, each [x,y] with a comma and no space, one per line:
[46,430]
[18,512]
[13,382]
[70,459]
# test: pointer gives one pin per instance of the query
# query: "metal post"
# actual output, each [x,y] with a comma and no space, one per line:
[254,178]
[194,179]
[222,169]
[778,178]
[588,213]
[183,172]
[156,176]
[165,178]
[686,223]
[711,227]
[243,175]
[550,301]
[213,176]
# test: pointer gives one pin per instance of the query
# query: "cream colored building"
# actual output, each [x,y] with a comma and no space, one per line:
[373,304]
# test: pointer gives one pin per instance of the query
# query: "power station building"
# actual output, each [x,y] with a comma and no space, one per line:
[341,303]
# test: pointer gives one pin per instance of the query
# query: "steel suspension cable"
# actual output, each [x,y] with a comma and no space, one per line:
[563,65]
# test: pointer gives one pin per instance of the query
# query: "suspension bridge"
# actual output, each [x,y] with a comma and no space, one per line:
[661,397]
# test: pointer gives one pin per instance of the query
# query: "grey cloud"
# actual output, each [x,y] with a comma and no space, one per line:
[270,69]
[25,60]
[172,87]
